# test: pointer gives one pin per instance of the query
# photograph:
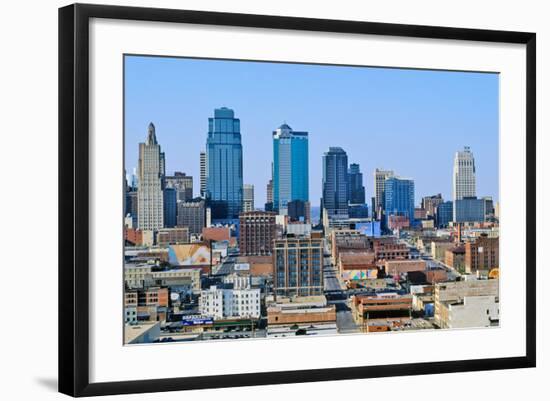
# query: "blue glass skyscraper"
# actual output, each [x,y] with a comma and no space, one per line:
[356,190]
[224,153]
[290,168]
[399,197]
[335,182]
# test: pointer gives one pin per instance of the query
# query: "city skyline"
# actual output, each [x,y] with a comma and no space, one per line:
[227,265]
[174,125]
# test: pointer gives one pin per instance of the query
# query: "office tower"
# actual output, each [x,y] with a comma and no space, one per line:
[335,183]
[379,182]
[257,232]
[464,176]
[192,214]
[469,209]
[150,176]
[356,192]
[290,167]
[297,266]
[444,214]
[182,183]
[399,198]
[224,155]
[248,197]
[203,168]
[170,201]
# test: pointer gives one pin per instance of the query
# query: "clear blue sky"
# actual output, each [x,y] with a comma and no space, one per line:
[411,121]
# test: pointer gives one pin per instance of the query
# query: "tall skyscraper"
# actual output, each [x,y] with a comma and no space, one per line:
[248,197]
[150,176]
[464,177]
[399,197]
[356,192]
[380,177]
[335,183]
[290,167]
[203,168]
[224,156]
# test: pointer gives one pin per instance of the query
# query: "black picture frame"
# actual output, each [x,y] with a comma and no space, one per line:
[74,200]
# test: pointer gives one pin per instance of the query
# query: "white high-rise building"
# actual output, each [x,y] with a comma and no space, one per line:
[380,177]
[248,198]
[203,169]
[464,176]
[150,175]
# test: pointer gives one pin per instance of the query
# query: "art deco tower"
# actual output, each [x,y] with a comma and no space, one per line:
[464,177]
[150,176]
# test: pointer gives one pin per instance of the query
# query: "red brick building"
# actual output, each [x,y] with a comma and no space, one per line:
[257,232]
[481,254]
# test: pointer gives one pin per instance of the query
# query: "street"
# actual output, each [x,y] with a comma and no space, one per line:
[337,295]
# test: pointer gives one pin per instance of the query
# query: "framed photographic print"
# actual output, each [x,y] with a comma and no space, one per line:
[250,199]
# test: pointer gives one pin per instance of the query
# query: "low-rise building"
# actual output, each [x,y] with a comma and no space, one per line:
[454,257]
[301,316]
[173,236]
[363,261]
[389,249]
[436,276]
[398,222]
[142,276]
[474,311]
[230,301]
[438,249]
[455,292]
[216,234]
[369,311]
[482,254]
[396,267]
[150,304]
[141,333]
[259,265]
